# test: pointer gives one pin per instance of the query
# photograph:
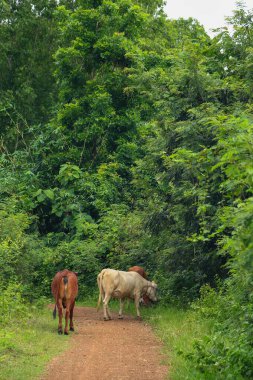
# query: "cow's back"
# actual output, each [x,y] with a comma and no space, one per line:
[58,284]
[119,283]
[132,278]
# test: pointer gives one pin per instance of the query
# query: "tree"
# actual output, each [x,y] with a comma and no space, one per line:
[27,86]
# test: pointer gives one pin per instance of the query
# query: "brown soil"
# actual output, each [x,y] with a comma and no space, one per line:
[113,350]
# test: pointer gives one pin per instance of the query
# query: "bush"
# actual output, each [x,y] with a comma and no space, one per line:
[227,352]
[12,304]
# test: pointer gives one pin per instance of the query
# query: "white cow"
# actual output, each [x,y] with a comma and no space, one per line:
[118,284]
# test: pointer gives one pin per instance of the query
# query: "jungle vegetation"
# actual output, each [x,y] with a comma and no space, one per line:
[127,139]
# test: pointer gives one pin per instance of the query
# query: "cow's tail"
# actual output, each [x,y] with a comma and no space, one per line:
[99,281]
[65,280]
[54,312]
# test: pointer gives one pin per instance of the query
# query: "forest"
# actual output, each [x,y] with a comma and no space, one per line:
[127,139]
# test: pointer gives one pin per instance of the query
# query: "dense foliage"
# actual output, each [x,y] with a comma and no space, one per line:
[126,139]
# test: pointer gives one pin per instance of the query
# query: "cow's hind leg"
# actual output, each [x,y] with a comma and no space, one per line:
[67,314]
[71,324]
[121,305]
[60,312]
[107,315]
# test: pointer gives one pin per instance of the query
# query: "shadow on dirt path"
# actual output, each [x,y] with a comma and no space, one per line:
[114,350]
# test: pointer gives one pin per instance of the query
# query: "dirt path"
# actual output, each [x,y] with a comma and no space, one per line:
[114,350]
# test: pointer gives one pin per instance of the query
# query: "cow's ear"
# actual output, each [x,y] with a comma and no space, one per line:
[76,273]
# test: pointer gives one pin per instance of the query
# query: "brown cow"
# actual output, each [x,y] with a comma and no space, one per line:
[145,300]
[64,289]
[139,270]
[122,285]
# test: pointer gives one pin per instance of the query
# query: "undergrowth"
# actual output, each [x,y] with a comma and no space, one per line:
[28,339]
[178,329]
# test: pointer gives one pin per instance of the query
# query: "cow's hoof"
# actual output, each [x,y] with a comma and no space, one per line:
[66,333]
[71,329]
[120,316]
[106,319]
[139,318]
[60,332]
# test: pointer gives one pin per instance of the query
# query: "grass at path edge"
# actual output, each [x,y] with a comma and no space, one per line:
[27,346]
[178,329]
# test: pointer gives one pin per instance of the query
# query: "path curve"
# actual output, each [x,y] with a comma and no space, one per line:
[115,350]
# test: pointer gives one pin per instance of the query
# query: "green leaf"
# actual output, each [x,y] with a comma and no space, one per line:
[49,193]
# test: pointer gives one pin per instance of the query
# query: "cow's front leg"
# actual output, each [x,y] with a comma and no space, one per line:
[137,305]
[107,315]
[71,324]
[67,314]
[60,312]
[121,305]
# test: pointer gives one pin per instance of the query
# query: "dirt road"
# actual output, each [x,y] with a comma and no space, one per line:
[114,350]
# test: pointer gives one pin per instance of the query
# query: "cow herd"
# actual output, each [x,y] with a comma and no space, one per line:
[111,284]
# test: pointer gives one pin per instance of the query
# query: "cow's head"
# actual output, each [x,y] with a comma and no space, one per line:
[151,291]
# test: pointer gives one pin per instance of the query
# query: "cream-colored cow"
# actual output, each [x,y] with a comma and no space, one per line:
[118,284]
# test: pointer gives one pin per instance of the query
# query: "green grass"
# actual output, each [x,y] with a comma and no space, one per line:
[178,329]
[27,346]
